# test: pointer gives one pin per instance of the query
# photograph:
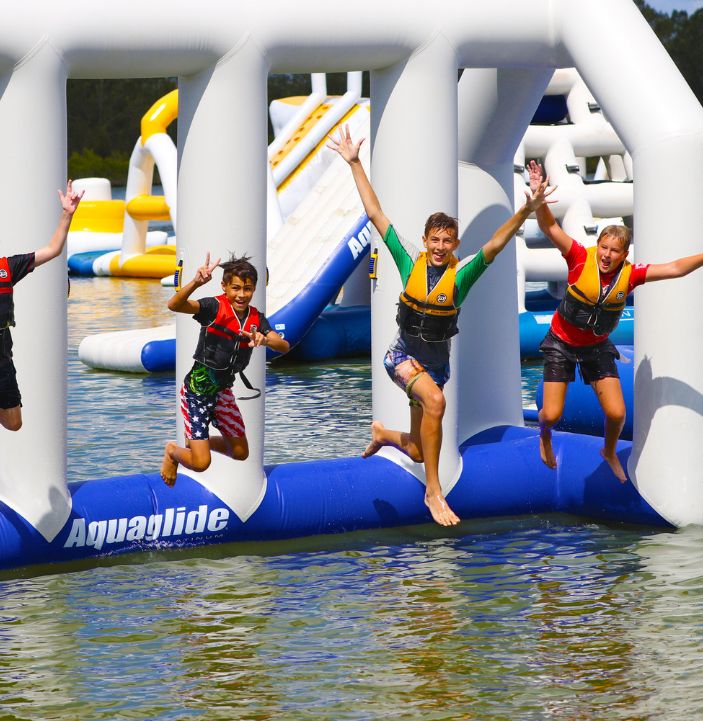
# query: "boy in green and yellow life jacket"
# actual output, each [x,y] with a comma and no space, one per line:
[12,269]
[230,328]
[435,284]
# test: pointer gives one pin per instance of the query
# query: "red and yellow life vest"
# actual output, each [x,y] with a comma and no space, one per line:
[221,345]
[588,305]
[431,316]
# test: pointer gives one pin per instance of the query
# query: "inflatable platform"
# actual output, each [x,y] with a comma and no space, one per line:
[421,160]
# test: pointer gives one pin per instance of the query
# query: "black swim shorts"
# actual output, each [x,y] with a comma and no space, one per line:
[594,361]
[9,391]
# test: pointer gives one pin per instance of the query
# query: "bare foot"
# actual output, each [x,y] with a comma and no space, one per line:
[440,511]
[615,466]
[376,444]
[546,451]
[169,468]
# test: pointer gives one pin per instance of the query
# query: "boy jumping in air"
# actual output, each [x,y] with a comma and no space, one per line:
[230,329]
[435,285]
[12,269]
[599,280]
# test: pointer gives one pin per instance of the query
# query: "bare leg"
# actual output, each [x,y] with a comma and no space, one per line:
[553,398]
[234,447]
[408,443]
[196,457]
[11,418]
[433,404]
[609,392]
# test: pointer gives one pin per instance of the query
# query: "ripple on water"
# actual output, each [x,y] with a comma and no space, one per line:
[509,620]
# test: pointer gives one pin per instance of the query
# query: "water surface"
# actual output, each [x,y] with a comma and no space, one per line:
[511,619]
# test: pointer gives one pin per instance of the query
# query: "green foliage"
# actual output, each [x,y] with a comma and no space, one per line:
[88,164]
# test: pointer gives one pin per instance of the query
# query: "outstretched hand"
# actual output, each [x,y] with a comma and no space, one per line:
[539,187]
[204,272]
[69,199]
[344,145]
[536,175]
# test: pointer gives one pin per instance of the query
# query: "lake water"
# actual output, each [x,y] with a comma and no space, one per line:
[510,619]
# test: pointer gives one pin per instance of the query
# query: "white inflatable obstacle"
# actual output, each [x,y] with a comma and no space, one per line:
[132,254]
[222,53]
[317,233]
[583,208]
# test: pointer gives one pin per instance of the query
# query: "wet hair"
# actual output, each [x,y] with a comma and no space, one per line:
[620,232]
[240,268]
[441,221]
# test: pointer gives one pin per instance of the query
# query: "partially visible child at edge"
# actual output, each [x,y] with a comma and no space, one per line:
[230,329]
[599,281]
[12,269]
[435,284]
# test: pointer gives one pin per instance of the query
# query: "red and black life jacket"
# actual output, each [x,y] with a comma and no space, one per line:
[221,345]
[7,306]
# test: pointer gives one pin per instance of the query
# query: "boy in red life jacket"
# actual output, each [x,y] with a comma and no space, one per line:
[12,269]
[230,329]
[435,284]
[599,280]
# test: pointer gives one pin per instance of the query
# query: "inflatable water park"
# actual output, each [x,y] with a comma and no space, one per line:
[490,464]
[306,179]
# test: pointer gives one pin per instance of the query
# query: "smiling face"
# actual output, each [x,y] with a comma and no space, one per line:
[440,244]
[239,292]
[610,253]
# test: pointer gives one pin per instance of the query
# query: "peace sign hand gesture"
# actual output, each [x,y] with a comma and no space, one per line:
[204,272]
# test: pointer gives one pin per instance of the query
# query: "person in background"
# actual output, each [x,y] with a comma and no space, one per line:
[13,269]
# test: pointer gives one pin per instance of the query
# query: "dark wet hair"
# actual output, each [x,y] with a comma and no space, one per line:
[441,221]
[240,268]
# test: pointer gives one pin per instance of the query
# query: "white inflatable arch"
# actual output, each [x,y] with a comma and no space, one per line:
[222,51]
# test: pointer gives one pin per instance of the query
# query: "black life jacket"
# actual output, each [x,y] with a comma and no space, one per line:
[7,306]
[221,345]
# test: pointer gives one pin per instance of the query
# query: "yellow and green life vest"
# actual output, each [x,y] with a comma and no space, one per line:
[431,316]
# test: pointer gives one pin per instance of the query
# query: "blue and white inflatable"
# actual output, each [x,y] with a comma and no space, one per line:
[489,464]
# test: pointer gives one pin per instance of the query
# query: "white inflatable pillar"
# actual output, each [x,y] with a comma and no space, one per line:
[222,209]
[495,107]
[663,131]
[33,152]
[413,120]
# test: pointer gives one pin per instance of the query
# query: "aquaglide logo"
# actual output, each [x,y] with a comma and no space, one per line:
[172,523]
[358,242]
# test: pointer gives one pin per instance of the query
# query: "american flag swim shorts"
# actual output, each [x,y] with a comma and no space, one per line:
[220,409]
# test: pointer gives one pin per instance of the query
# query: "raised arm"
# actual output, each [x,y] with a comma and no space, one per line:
[675,268]
[180,301]
[545,218]
[69,203]
[533,202]
[350,152]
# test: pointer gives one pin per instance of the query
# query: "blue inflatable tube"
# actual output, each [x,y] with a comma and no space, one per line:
[535,324]
[339,332]
[502,476]
[82,263]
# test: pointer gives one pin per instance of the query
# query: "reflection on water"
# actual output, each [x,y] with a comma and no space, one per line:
[515,619]
[512,619]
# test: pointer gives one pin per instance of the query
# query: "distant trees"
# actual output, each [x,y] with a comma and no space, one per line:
[104,115]
[104,118]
